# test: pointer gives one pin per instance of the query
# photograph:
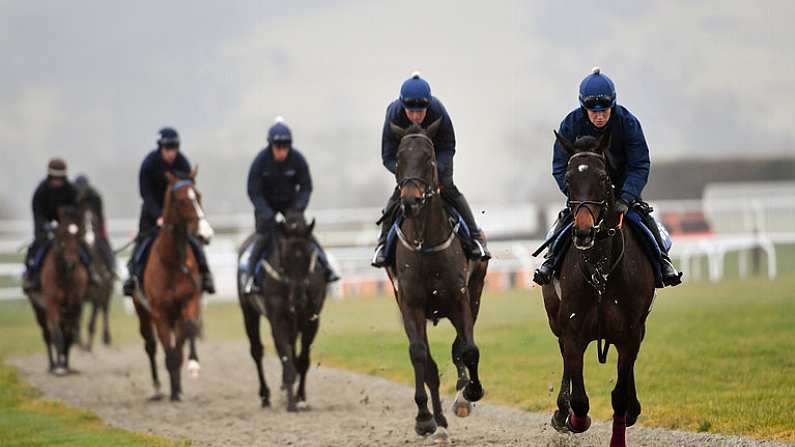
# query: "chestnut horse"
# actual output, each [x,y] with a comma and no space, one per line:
[433,279]
[605,291]
[170,300]
[64,281]
[99,294]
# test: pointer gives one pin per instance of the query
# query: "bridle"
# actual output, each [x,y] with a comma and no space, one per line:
[427,189]
[599,228]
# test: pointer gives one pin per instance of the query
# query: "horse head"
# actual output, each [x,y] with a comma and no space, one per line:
[589,188]
[183,205]
[297,255]
[67,238]
[417,176]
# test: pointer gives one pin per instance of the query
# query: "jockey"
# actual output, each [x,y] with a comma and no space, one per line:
[627,159]
[153,183]
[52,193]
[278,181]
[88,195]
[417,106]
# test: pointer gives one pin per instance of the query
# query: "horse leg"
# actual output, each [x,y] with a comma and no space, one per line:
[461,407]
[627,353]
[579,421]
[105,324]
[251,319]
[633,405]
[54,327]
[190,326]
[415,326]
[92,321]
[173,361]
[302,362]
[146,329]
[463,321]
[561,415]
[432,380]
[285,347]
[41,318]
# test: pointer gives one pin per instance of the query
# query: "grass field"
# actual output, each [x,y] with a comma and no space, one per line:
[717,358]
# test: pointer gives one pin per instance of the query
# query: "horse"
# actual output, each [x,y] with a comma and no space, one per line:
[64,281]
[433,279]
[293,293]
[605,291]
[100,293]
[169,301]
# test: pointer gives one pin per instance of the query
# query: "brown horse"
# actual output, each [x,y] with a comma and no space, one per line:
[605,291]
[293,292]
[433,279]
[64,281]
[170,300]
[100,293]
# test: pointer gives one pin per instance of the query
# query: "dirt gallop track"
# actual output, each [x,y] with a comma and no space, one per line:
[221,407]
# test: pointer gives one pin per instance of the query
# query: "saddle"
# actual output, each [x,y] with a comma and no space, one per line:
[460,229]
[559,244]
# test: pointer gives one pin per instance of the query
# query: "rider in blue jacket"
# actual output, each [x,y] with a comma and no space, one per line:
[627,156]
[416,105]
[152,182]
[278,182]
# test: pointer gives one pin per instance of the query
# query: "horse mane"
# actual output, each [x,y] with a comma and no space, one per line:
[585,143]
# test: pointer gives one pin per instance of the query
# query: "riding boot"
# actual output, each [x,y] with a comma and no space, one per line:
[208,285]
[387,219]
[129,284]
[478,250]
[88,263]
[258,248]
[670,276]
[328,272]
[544,272]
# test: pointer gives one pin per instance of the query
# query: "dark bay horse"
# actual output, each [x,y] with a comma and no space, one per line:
[64,281]
[100,293]
[170,300]
[293,292]
[433,279]
[605,291]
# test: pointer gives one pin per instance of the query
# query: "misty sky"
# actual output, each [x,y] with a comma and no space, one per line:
[93,81]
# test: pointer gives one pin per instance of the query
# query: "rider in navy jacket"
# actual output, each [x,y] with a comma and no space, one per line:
[278,181]
[627,159]
[416,105]
[52,193]
[152,184]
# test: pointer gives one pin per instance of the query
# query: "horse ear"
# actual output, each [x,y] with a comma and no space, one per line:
[433,128]
[193,172]
[397,131]
[171,178]
[564,143]
[604,143]
[310,228]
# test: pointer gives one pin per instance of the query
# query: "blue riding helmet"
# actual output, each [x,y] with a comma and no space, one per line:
[81,180]
[415,93]
[597,92]
[169,138]
[279,134]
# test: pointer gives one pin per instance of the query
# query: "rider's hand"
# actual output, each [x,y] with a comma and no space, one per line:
[622,206]
[160,221]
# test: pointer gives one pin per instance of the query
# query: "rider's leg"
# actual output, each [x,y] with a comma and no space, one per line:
[208,285]
[544,272]
[146,227]
[87,260]
[265,228]
[452,195]
[329,272]
[30,279]
[670,276]
[387,219]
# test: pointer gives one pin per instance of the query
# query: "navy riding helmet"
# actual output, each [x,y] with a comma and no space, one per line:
[597,92]
[169,138]
[279,134]
[415,93]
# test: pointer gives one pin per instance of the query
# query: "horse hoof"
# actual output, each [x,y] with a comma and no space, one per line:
[461,407]
[302,405]
[292,408]
[176,398]
[577,424]
[473,392]
[441,436]
[193,369]
[560,422]
[60,371]
[106,340]
[425,428]
[266,403]
[157,397]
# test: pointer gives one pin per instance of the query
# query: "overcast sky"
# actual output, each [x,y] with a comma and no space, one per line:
[93,81]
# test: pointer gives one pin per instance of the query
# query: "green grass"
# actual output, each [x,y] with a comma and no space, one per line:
[717,357]
[26,419]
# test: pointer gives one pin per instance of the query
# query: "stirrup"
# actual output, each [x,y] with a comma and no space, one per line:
[379,260]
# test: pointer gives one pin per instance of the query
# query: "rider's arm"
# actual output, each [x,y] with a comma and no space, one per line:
[559,156]
[445,143]
[256,191]
[304,180]
[39,206]
[637,161]
[181,164]
[147,191]
[389,144]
